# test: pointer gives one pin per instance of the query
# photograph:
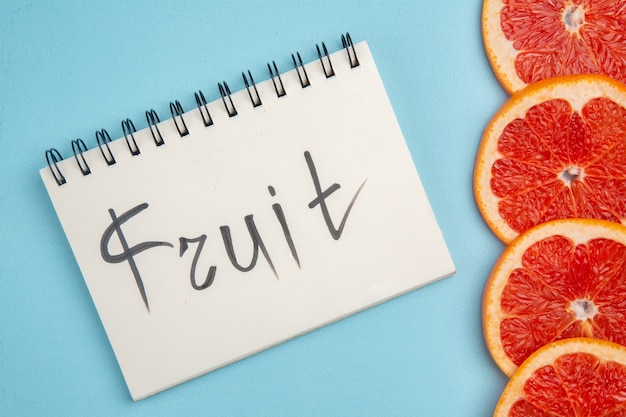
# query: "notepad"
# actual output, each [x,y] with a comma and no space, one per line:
[244,222]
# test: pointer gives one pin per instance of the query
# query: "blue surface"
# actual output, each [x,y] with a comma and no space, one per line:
[67,70]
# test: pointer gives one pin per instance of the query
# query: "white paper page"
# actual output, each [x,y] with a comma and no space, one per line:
[321,177]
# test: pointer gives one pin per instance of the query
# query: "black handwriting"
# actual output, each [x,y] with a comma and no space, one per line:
[323,195]
[184,244]
[128,253]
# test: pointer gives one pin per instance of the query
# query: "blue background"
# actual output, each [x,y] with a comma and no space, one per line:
[69,69]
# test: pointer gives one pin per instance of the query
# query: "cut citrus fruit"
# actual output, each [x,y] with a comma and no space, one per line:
[561,279]
[527,40]
[556,149]
[573,377]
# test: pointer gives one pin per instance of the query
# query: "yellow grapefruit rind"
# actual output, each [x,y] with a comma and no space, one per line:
[579,230]
[499,50]
[604,350]
[576,89]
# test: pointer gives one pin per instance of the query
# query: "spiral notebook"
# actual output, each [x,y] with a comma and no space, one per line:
[241,223]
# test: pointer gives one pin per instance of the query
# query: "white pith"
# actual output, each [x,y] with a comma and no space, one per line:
[583,309]
[573,18]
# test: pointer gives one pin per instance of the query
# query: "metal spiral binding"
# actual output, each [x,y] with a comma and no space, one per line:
[78,146]
[346,41]
[176,109]
[203,109]
[275,74]
[225,92]
[256,100]
[328,72]
[303,77]
[103,135]
[128,127]
[153,118]
[53,157]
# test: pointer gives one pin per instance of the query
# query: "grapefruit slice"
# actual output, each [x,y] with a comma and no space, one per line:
[573,377]
[556,149]
[528,41]
[561,279]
